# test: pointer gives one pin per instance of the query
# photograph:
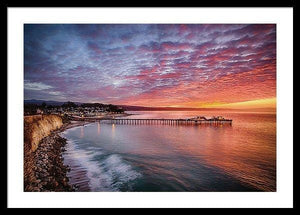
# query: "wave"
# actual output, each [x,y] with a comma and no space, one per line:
[105,172]
[120,172]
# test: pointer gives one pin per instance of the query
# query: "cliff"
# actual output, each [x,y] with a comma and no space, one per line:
[36,128]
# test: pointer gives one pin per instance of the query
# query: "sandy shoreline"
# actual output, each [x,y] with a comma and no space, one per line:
[72,124]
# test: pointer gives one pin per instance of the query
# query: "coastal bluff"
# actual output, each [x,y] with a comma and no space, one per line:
[37,127]
[43,165]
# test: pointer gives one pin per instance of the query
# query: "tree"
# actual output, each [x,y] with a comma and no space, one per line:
[30,109]
[69,105]
[43,106]
[115,109]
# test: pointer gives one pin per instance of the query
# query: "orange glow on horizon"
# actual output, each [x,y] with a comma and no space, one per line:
[260,103]
[267,103]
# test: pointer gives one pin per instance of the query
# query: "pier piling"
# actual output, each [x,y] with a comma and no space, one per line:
[192,121]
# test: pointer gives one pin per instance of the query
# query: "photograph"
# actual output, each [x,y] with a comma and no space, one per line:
[150,107]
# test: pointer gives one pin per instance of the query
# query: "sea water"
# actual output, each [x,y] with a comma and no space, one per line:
[168,157]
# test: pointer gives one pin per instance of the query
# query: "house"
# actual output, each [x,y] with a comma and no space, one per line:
[39,111]
[220,118]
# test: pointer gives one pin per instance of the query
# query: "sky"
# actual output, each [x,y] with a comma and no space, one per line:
[155,65]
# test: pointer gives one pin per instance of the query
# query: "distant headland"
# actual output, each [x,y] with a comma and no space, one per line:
[34,102]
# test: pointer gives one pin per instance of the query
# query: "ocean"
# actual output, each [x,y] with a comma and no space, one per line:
[164,157]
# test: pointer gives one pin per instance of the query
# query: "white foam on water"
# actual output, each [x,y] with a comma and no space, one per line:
[119,171]
[106,174]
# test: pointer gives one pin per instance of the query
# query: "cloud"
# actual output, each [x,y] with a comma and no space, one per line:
[159,64]
[35,86]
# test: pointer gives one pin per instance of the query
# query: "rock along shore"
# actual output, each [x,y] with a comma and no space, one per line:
[44,169]
[48,172]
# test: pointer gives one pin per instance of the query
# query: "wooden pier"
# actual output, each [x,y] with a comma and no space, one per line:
[127,121]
